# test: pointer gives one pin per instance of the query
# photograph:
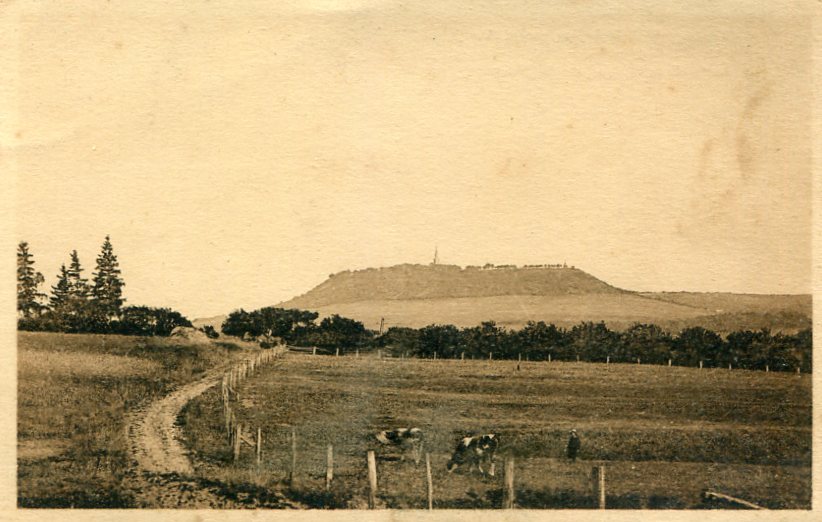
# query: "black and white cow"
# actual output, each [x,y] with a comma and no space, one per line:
[403,439]
[474,451]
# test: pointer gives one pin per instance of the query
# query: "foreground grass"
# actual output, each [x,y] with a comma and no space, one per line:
[73,394]
[665,434]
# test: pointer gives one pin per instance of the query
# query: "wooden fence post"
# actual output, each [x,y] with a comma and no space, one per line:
[358,353]
[329,467]
[293,471]
[372,481]
[490,356]
[700,365]
[462,357]
[430,481]
[508,490]
[766,368]
[228,414]
[577,358]
[238,433]
[232,423]
[669,362]
[314,350]
[598,483]
[229,428]
[259,447]
[637,360]
[607,359]
[338,352]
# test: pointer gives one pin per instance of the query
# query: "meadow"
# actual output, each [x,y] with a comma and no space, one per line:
[74,392]
[665,434]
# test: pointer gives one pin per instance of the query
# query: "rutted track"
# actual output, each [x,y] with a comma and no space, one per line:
[162,474]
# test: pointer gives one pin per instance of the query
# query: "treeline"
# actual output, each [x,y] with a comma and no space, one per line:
[594,342]
[298,328]
[537,341]
[77,305]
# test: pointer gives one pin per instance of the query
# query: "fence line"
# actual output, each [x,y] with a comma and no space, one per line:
[597,475]
[436,356]
[229,391]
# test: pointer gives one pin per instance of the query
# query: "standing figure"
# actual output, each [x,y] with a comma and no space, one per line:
[573,446]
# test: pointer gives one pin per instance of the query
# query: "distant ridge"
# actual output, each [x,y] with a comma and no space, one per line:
[417,295]
[409,281]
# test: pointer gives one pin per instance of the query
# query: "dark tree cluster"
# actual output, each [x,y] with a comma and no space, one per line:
[299,328]
[77,305]
[594,342]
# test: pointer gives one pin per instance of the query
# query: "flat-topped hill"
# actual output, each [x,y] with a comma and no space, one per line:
[419,295]
[412,282]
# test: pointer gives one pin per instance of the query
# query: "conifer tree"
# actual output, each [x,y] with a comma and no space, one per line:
[29,297]
[78,285]
[108,285]
[60,291]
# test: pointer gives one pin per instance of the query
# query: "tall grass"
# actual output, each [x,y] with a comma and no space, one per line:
[74,391]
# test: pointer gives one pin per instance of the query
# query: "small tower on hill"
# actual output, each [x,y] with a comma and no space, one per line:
[436,257]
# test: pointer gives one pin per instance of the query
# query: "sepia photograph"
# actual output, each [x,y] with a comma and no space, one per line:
[388,256]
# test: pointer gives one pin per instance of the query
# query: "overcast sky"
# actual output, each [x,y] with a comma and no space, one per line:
[237,156]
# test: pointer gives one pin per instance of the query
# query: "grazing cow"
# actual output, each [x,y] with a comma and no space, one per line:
[473,451]
[403,439]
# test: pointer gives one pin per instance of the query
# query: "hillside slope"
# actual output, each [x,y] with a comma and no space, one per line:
[726,303]
[513,311]
[409,282]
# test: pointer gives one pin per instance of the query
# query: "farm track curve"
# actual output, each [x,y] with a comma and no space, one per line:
[161,474]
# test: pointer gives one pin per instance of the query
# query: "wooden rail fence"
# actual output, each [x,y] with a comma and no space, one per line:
[435,356]
[230,393]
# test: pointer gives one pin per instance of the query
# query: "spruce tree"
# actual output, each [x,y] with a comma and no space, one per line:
[78,285]
[60,291]
[29,298]
[108,285]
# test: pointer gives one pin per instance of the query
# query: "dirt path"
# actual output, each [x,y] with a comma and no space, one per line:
[162,475]
[155,435]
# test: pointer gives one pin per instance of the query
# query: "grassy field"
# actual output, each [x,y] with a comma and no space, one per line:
[513,311]
[73,393]
[665,434]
